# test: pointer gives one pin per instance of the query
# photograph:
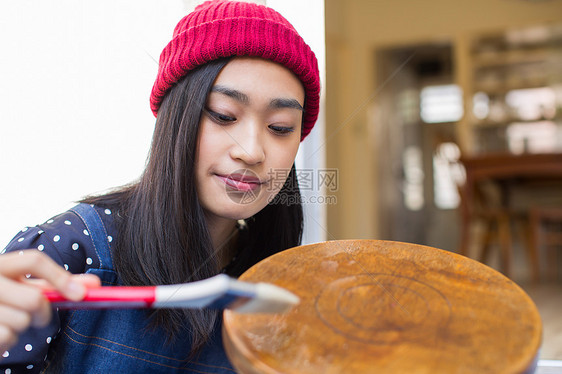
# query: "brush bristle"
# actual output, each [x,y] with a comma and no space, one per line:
[269,299]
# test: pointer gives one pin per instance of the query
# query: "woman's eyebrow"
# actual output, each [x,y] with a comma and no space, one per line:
[236,95]
[285,103]
[278,103]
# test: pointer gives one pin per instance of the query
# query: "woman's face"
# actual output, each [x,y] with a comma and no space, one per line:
[248,138]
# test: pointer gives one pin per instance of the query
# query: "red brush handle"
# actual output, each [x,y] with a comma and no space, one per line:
[114,294]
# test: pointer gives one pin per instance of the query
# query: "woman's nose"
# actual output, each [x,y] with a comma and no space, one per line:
[248,145]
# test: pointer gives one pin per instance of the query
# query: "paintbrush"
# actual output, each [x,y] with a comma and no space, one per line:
[218,292]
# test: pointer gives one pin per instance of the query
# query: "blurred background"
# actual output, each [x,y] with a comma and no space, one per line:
[415,87]
[441,122]
[445,121]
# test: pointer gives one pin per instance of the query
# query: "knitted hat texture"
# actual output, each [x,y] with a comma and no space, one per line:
[219,28]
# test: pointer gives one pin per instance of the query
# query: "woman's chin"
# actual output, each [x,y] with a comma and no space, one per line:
[240,210]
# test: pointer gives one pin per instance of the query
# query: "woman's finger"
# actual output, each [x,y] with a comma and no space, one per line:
[16,264]
[88,280]
[16,320]
[8,338]
[25,298]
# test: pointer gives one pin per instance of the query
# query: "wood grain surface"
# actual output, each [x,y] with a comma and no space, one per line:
[385,307]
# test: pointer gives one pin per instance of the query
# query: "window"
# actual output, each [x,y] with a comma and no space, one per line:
[448,173]
[441,103]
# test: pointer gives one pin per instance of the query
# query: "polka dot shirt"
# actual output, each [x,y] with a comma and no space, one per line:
[67,241]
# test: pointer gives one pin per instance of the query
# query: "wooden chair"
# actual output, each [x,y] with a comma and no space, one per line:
[509,172]
[545,232]
[485,208]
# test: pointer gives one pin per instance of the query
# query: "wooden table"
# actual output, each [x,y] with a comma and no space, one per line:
[506,170]
[380,307]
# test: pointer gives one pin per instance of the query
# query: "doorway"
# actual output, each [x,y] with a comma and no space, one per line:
[415,118]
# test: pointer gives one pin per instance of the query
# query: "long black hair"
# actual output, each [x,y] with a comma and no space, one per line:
[163,236]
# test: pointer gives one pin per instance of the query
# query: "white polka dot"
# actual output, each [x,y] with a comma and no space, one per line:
[24,229]
[49,340]
[20,253]
[75,246]
[56,238]
[8,371]
[50,221]
[89,261]
[5,354]
[40,232]
[107,211]
[28,275]
[109,238]
[86,232]
[40,247]
[67,222]
[21,240]
[29,366]
[65,266]
[28,347]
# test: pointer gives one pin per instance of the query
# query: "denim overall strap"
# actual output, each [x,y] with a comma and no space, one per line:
[97,233]
[123,340]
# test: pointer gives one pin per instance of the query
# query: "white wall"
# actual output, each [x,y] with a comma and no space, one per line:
[75,78]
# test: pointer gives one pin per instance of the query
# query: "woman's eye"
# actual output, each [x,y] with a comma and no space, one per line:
[220,118]
[281,130]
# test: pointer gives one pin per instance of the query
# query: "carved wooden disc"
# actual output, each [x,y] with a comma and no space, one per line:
[385,307]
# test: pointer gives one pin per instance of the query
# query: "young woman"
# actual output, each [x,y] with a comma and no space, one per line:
[237,91]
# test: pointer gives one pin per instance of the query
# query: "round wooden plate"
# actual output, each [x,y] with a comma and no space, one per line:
[385,307]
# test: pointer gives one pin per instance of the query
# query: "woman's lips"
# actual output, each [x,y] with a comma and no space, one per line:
[241,182]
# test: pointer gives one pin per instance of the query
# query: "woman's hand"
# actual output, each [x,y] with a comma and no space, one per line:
[22,303]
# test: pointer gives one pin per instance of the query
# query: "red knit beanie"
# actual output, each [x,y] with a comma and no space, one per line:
[219,28]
